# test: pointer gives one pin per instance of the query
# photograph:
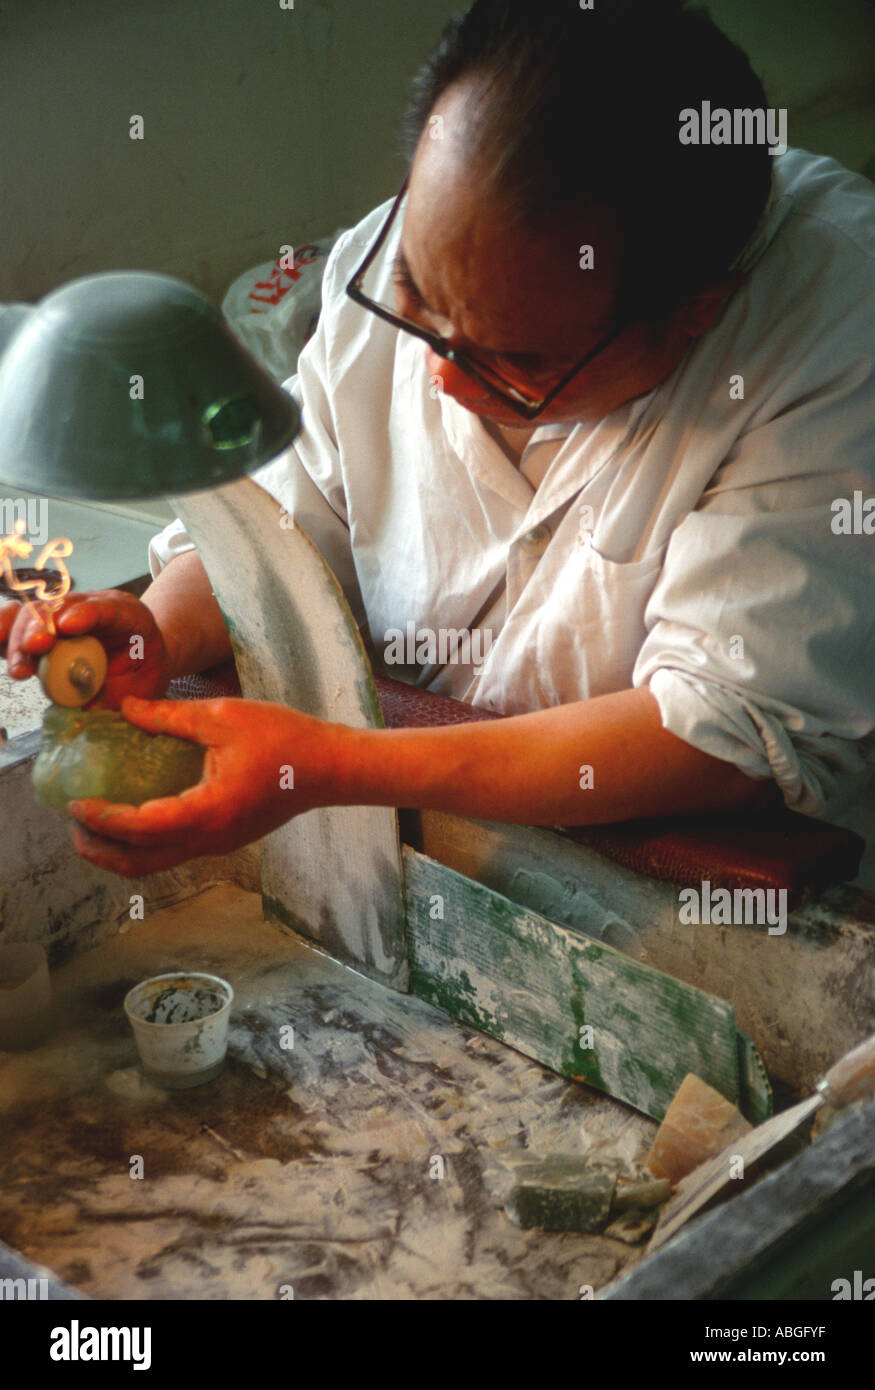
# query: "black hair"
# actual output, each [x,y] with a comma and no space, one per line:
[573,106]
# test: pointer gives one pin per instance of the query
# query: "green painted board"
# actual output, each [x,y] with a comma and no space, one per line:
[755,1089]
[534,985]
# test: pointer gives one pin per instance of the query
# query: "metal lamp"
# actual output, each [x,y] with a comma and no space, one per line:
[132,385]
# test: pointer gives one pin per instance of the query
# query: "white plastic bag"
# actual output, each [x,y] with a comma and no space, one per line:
[275,310]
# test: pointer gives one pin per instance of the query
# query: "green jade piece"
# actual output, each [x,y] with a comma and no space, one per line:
[97,752]
[563,1192]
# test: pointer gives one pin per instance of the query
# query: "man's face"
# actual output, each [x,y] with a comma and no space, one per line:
[517,299]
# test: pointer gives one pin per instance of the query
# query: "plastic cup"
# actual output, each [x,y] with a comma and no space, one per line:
[25,996]
[180,1023]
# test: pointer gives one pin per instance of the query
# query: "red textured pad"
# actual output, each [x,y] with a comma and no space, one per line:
[750,849]
[406,707]
[206,685]
[767,849]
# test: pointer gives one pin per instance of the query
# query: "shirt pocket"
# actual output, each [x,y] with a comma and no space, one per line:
[592,624]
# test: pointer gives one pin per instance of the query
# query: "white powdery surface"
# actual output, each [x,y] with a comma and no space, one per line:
[309,1166]
[22,704]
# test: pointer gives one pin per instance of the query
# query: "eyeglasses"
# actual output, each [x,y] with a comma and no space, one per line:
[523,402]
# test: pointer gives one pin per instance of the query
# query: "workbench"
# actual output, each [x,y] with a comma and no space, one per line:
[308,1167]
[459,992]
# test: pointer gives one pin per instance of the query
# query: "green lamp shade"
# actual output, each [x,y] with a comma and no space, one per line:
[132,385]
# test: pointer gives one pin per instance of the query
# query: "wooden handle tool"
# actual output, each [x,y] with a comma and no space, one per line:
[73,671]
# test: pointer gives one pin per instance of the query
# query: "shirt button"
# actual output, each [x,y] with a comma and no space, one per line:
[535,542]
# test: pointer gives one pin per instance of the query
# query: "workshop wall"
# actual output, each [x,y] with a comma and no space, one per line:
[816,58]
[262,126]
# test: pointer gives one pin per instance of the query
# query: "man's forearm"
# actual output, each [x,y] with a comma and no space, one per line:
[186,611]
[597,761]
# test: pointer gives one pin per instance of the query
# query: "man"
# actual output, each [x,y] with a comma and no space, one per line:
[645,382]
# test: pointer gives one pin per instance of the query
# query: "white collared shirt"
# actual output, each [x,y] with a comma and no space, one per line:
[684,542]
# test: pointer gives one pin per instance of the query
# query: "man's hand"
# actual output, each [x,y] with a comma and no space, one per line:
[265,764]
[114,617]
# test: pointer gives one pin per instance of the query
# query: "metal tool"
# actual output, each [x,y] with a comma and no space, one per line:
[852,1078]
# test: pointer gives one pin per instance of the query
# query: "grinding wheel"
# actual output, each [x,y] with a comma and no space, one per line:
[334,874]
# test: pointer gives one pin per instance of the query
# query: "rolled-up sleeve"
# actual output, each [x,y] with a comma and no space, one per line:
[306,478]
[173,540]
[760,646]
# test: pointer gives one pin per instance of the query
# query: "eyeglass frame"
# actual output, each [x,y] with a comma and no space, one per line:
[529,409]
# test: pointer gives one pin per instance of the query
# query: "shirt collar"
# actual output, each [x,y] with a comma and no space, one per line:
[767,224]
